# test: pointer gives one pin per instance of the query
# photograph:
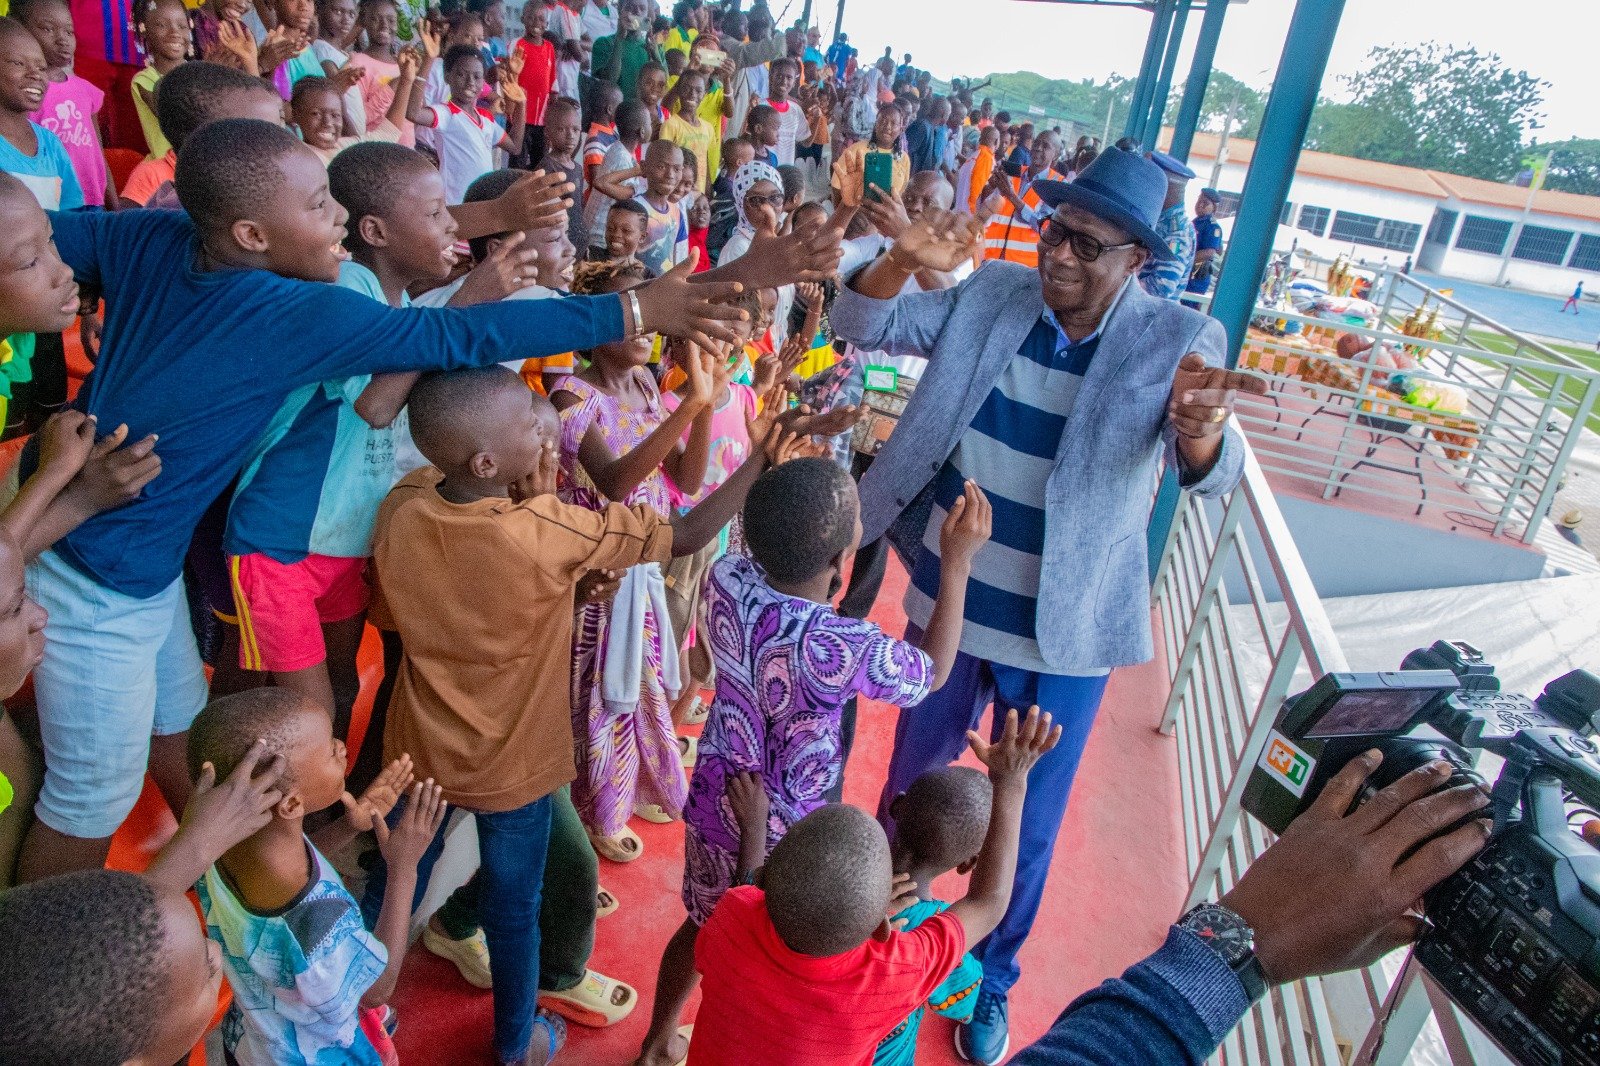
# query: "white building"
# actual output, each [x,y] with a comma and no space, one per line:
[1447,224]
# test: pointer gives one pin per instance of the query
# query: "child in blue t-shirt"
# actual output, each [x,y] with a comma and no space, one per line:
[940,824]
[299,530]
[27,150]
[209,325]
[307,976]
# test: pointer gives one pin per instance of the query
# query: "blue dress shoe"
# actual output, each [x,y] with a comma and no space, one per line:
[987,1037]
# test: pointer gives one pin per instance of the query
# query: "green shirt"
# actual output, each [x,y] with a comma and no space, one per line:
[636,52]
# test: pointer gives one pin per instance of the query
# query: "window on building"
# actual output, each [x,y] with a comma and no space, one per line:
[1586,256]
[1314,220]
[1540,244]
[1443,224]
[1479,234]
[1375,232]
[1286,214]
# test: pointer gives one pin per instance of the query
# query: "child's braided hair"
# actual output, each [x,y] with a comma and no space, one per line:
[593,279]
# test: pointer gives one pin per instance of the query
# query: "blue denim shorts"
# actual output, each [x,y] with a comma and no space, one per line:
[117,670]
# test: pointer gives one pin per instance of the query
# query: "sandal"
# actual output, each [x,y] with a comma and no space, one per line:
[555,1031]
[653,813]
[605,903]
[689,751]
[622,847]
[592,1001]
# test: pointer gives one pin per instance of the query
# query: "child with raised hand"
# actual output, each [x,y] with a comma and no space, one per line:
[321,115]
[619,442]
[337,33]
[299,997]
[666,240]
[103,966]
[468,135]
[259,210]
[940,824]
[379,63]
[288,57]
[621,159]
[785,965]
[481,704]
[168,40]
[28,151]
[786,664]
[71,104]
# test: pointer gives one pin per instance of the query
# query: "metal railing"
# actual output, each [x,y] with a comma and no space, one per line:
[1234,646]
[1332,425]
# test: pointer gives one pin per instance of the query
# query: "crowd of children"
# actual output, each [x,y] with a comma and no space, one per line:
[538,429]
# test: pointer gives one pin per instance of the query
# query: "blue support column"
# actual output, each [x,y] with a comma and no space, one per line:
[1158,99]
[1194,86]
[1266,188]
[1277,152]
[1154,45]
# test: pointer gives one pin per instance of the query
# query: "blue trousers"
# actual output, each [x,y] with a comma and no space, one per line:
[934,733]
[511,853]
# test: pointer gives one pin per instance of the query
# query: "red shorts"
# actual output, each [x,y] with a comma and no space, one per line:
[283,606]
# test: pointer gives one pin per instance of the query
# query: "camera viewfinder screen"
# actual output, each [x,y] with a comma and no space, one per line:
[1359,713]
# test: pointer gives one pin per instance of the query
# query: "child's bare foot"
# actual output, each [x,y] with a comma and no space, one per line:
[670,1052]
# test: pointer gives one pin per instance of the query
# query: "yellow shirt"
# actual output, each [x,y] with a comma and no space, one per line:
[696,139]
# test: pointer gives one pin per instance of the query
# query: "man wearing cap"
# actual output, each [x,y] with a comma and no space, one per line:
[1166,276]
[1058,390]
[1207,243]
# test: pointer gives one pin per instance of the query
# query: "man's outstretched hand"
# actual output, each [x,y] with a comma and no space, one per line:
[1339,891]
[1203,395]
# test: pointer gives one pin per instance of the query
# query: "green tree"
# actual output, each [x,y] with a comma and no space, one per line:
[1359,130]
[1461,110]
[1574,165]
[1224,93]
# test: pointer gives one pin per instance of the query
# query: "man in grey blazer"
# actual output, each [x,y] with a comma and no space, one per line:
[1059,390]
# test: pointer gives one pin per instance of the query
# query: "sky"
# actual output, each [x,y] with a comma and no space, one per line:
[1552,39]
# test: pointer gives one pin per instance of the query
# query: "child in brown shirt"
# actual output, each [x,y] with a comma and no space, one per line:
[478,563]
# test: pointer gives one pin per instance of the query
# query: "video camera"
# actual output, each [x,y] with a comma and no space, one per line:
[1514,936]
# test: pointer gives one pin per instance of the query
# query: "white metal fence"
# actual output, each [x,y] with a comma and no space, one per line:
[1232,655]
[1333,426]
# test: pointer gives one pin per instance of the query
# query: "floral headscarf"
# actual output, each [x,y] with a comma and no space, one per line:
[745,180]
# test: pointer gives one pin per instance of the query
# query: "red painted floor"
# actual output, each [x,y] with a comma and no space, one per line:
[1116,884]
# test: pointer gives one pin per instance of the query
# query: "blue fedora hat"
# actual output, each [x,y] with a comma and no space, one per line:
[1125,189]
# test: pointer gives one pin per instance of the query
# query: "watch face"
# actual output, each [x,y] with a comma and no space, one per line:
[1225,932]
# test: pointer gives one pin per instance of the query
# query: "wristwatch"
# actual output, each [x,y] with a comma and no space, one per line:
[1231,937]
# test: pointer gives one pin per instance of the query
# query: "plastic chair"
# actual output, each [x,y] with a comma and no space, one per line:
[121,162]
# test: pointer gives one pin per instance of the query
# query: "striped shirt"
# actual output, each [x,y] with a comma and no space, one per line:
[1009,450]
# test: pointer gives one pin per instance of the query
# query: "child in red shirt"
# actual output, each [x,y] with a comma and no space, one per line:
[807,969]
[538,74]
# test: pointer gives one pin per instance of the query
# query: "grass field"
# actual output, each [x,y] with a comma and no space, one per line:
[1496,342]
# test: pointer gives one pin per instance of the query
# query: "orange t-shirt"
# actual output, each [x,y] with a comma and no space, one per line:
[482,595]
[149,176]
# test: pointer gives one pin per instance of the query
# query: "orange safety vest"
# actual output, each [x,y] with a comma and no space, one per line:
[1009,238]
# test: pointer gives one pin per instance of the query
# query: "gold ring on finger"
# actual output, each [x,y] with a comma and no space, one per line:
[1218,414]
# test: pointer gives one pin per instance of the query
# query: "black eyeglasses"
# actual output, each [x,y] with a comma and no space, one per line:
[757,200]
[1085,248]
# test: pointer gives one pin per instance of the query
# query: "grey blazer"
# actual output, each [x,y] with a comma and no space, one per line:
[1094,599]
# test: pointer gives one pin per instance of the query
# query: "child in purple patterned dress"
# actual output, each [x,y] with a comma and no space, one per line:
[618,444]
[786,664]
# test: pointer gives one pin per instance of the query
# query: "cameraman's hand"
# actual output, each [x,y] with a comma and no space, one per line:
[1332,893]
